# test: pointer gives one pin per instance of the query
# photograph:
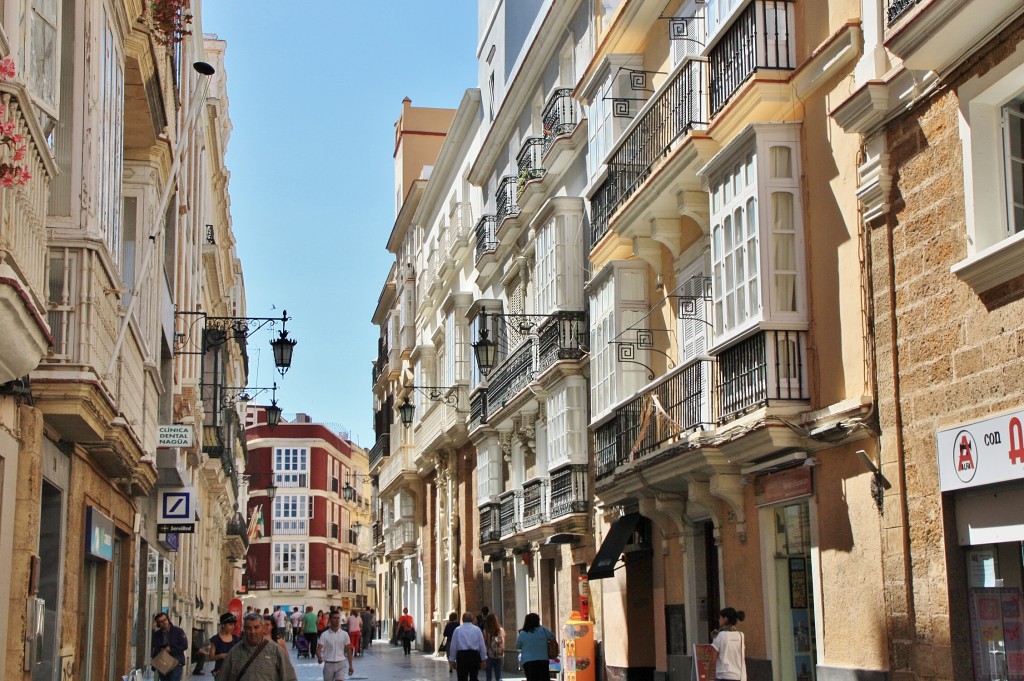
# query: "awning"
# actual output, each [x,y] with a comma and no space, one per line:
[611,548]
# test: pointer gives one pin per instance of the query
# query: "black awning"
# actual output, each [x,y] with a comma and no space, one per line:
[611,548]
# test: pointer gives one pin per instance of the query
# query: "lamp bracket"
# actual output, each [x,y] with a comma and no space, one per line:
[448,394]
[215,331]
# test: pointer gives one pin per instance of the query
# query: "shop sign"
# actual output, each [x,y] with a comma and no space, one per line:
[179,528]
[981,452]
[99,535]
[704,655]
[174,436]
[169,540]
[786,485]
[176,507]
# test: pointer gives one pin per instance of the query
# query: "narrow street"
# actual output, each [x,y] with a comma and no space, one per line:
[385,662]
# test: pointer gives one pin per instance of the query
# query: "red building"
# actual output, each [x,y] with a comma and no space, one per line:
[308,510]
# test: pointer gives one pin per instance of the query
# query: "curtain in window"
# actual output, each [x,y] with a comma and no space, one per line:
[784,252]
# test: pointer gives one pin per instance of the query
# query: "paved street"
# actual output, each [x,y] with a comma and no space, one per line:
[385,662]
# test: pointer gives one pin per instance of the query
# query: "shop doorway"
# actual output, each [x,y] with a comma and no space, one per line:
[996,610]
[795,594]
[51,553]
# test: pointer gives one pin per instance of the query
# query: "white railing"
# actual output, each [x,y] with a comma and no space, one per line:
[23,208]
[288,580]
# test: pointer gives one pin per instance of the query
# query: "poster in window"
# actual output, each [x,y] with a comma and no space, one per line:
[797,583]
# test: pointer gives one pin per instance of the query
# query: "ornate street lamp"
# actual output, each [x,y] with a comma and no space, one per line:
[406,412]
[484,349]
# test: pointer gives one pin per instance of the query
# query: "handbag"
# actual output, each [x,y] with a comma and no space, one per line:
[164,662]
[409,634]
[553,648]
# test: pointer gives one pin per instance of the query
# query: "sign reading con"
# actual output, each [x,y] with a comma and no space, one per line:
[981,452]
[174,436]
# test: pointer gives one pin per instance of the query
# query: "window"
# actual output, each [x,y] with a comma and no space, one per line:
[291,466]
[566,427]
[559,265]
[618,336]
[757,232]
[992,138]
[693,326]
[129,246]
[110,143]
[291,514]
[44,54]
[451,349]
[62,301]
[289,567]
[690,44]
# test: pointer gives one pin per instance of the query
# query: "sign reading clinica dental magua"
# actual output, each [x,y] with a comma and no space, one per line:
[174,436]
[982,452]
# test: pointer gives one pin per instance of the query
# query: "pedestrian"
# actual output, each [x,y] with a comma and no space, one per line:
[494,637]
[168,637]
[281,622]
[334,650]
[266,611]
[366,628]
[532,644]
[406,631]
[223,641]
[270,631]
[730,648]
[355,630]
[467,652]
[449,628]
[309,627]
[482,617]
[296,619]
[375,624]
[255,657]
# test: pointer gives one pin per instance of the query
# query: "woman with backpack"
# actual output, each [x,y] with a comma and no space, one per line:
[494,637]
[532,644]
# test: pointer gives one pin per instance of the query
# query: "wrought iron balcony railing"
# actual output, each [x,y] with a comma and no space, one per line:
[510,523]
[560,116]
[486,238]
[569,491]
[505,199]
[529,163]
[767,366]
[490,523]
[533,503]
[236,528]
[896,9]
[478,408]
[760,38]
[564,335]
[511,376]
[604,202]
[380,449]
[677,404]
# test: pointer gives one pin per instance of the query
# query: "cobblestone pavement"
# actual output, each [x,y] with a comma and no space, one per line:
[385,662]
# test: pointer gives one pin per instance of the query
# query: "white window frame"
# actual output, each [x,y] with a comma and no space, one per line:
[994,254]
[291,466]
[110,110]
[42,33]
[618,301]
[289,565]
[566,423]
[291,514]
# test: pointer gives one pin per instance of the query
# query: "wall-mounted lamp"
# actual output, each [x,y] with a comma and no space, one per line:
[406,412]
[484,348]
[878,482]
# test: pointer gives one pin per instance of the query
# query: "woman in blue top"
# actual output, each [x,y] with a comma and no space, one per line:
[532,644]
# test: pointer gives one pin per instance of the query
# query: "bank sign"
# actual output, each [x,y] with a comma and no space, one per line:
[982,453]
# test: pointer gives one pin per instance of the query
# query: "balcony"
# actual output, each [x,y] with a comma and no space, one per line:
[679,107]
[478,408]
[289,582]
[534,503]
[896,9]
[569,491]
[23,242]
[764,368]
[760,38]
[236,535]
[381,448]
[665,412]
[400,538]
[560,116]
[486,237]
[490,524]
[510,513]
[511,376]
[506,199]
[529,163]
[563,336]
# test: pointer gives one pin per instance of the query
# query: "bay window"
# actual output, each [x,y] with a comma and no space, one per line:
[618,339]
[289,565]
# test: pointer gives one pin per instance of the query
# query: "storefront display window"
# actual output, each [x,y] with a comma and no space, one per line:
[996,608]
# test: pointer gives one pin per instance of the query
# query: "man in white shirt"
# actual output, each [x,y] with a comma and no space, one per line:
[467,652]
[281,623]
[296,619]
[333,649]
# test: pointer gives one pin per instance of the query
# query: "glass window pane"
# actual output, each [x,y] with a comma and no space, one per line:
[781,163]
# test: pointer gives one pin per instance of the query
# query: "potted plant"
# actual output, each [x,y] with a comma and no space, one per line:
[170,21]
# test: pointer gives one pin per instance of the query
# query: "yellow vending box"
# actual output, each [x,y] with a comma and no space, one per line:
[578,649]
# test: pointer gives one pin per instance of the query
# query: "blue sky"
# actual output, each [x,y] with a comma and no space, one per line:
[314,90]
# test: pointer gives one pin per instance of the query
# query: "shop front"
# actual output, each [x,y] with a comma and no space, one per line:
[981,465]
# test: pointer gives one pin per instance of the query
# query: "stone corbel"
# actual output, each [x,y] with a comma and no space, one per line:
[694,204]
[729,488]
[669,512]
[649,250]
[505,442]
[668,232]
[698,497]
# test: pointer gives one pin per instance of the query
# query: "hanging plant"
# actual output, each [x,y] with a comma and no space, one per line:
[12,149]
[170,21]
